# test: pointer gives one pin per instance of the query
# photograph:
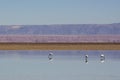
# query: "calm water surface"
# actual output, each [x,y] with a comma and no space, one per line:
[64,65]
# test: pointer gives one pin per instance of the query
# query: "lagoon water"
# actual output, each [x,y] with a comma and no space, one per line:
[64,65]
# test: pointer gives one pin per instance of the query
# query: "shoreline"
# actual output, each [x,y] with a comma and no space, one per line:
[59,46]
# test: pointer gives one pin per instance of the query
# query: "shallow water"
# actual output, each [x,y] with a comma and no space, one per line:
[65,65]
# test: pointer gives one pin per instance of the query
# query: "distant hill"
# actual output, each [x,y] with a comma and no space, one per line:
[63,29]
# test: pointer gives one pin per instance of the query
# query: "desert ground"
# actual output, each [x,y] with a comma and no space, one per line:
[59,46]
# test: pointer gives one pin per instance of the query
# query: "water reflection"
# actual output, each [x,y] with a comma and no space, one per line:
[67,65]
[48,55]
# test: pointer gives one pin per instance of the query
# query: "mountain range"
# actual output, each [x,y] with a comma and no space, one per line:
[61,29]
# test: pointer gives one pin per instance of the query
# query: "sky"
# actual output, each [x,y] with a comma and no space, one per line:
[38,12]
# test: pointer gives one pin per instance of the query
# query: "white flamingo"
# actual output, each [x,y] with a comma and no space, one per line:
[86,58]
[102,58]
[50,56]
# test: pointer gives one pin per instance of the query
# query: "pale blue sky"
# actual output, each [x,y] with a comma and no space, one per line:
[59,11]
